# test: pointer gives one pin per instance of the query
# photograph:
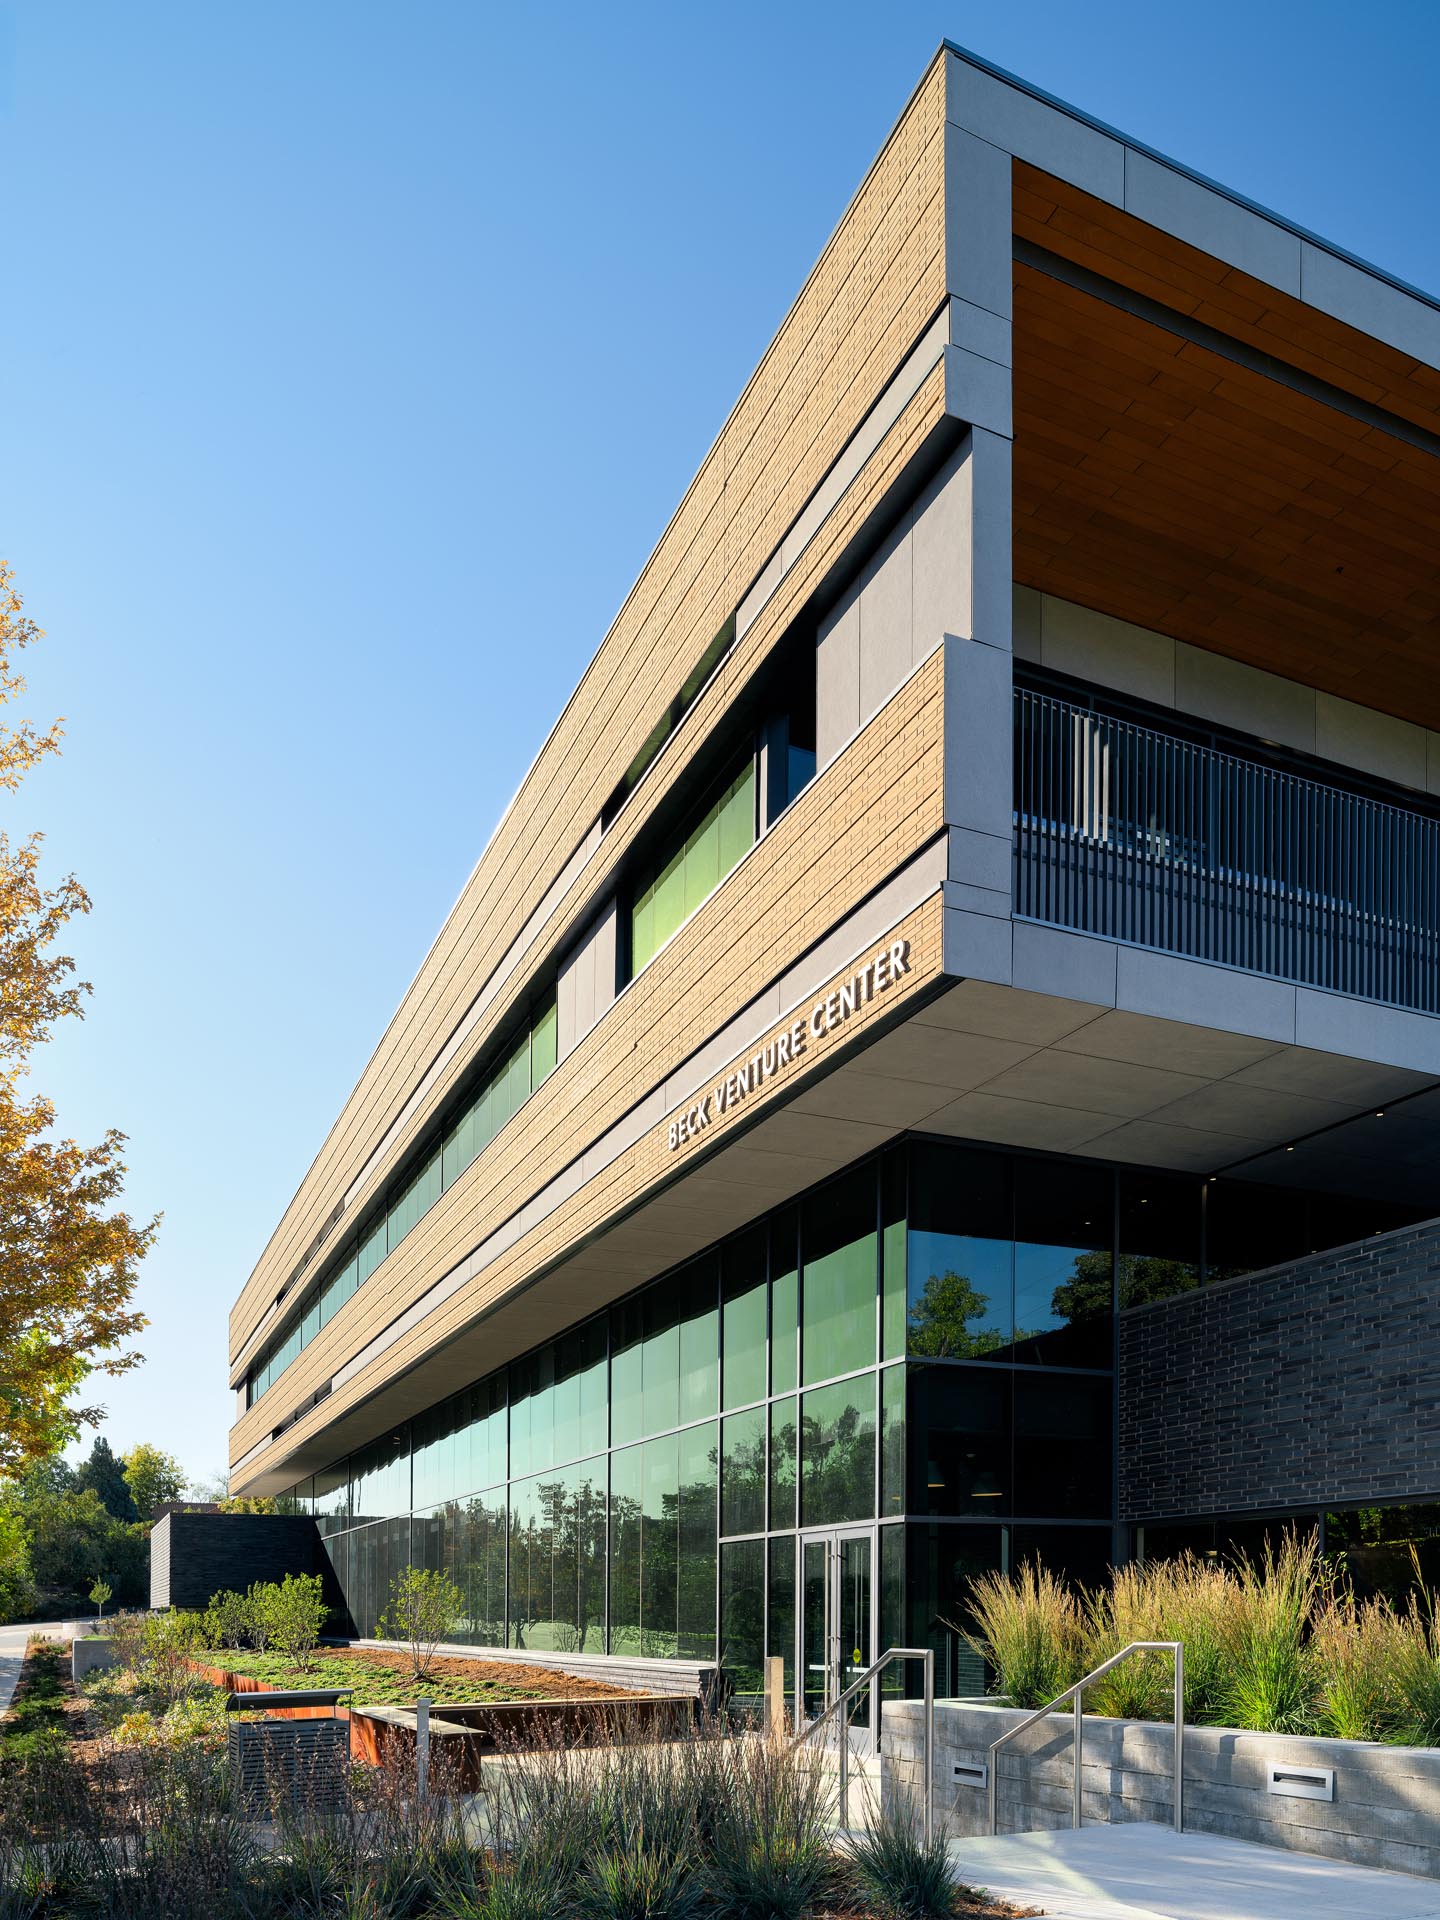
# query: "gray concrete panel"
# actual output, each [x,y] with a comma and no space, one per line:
[978,737]
[981,859]
[1335,1024]
[1099,1086]
[1378,742]
[837,681]
[1032,130]
[1007,1013]
[886,621]
[1218,225]
[1151,1143]
[1206,1051]
[1177,989]
[1018,1123]
[977,222]
[1245,697]
[991,553]
[969,899]
[1361,300]
[1025,615]
[1096,646]
[978,330]
[1071,966]
[941,576]
[978,391]
[976,945]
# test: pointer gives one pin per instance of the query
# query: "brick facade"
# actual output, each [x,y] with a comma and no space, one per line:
[1309,1384]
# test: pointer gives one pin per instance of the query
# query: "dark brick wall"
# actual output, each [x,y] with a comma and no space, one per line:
[196,1555]
[1314,1382]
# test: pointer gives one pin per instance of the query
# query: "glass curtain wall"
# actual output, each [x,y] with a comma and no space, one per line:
[922,1347]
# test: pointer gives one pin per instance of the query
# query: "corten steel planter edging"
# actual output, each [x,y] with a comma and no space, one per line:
[464,1732]
[385,1735]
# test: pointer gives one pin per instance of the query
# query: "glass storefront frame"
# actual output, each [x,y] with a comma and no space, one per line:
[716,1443]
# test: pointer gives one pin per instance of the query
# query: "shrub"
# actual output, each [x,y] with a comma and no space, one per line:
[167,1642]
[904,1876]
[1031,1629]
[228,1621]
[293,1614]
[424,1606]
[100,1593]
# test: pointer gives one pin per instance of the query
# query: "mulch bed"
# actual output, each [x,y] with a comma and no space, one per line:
[547,1683]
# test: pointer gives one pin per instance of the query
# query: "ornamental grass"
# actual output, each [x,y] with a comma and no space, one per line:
[1278,1644]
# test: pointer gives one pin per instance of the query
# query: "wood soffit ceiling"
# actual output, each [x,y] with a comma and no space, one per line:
[1160,481]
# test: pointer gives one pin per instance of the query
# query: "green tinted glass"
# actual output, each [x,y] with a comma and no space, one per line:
[839,1290]
[742,1269]
[742,1472]
[837,1452]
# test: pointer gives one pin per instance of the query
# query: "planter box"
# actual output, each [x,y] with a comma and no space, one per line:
[1385,1811]
[93,1655]
[461,1732]
[385,1736]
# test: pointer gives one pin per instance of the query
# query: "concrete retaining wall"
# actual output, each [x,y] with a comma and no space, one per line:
[92,1654]
[1386,1810]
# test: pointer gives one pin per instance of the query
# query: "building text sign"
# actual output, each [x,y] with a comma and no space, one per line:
[828,1015]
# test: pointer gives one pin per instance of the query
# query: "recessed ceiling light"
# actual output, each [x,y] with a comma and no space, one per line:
[1381,1114]
[1289,1149]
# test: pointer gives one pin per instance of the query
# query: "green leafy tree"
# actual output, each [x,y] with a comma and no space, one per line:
[17,1578]
[103,1473]
[424,1606]
[294,1614]
[100,1593]
[153,1477]
[68,1256]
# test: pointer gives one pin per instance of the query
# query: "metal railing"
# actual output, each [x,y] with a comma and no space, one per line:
[1161,842]
[1076,1694]
[837,1709]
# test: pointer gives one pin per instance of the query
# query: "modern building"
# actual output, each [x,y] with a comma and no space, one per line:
[939,1064]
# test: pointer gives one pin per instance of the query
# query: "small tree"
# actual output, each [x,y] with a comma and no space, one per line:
[424,1606]
[295,1613]
[257,1615]
[100,1593]
[229,1619]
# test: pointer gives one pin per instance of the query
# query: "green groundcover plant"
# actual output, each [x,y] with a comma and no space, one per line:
[1277,1644]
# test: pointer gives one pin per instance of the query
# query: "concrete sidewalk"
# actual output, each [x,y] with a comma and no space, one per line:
[1142,1872]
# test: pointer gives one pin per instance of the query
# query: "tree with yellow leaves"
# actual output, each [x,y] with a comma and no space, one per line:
[68,1258]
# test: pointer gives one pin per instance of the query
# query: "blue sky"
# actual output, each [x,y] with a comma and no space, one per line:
[353,359]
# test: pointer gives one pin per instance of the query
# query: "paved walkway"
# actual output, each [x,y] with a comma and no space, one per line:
[12,1651]
[1141,1872]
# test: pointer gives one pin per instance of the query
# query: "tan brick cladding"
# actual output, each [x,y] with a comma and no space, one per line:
[613,1190]
[878,282]
[879,802]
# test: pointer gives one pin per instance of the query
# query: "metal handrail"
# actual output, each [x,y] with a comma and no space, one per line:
[1075,1693]
[841,1701]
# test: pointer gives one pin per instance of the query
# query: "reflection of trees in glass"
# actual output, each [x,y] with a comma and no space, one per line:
[837,1454]
[1146,1276]
[940,1320]
[662,1564]
[742,1485]
[557,1565]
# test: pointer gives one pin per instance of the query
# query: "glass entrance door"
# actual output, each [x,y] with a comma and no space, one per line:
[836,1624]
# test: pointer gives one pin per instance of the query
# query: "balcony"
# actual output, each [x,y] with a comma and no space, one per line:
[1141,837]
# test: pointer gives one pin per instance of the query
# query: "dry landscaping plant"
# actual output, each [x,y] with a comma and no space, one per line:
[1031,1627]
